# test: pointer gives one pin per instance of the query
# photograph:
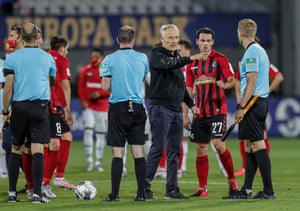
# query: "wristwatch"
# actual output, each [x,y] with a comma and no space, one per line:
[5,113]
[239,107]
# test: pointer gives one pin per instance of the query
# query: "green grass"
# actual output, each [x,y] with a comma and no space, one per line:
[285,170]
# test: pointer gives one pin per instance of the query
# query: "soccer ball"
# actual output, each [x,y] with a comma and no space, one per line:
[85,190]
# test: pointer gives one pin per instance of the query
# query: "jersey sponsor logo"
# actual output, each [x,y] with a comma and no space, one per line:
[93,85]
[204,80]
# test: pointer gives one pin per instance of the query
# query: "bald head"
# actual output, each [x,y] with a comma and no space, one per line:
[29,32]
[126,34]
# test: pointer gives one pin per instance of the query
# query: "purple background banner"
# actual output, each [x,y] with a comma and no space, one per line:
[283,117]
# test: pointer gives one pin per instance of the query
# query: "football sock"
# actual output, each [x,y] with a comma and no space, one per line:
[3,168]
[243,153]
[185,154]
[37,172]
[264,164]
[180,157]
[251,167]
[50,162]
[202,166]
[27,169]
[100,147]
[116,175]
[13,170]
[227,163]
[64,151]
[88,144]
[140,173]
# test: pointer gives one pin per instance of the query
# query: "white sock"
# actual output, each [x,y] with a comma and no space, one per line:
[100,147]
[88,144]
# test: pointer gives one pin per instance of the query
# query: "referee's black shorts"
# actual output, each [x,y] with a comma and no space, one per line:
[30,119]
[126,123]
[252,126]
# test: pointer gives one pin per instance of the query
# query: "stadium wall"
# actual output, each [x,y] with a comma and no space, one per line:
[283,117]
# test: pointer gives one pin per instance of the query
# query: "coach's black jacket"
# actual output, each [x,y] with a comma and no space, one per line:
[167,85]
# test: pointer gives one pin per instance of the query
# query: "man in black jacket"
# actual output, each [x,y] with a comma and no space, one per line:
[167,91]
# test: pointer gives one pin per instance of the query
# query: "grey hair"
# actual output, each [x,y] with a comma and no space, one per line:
[164,27]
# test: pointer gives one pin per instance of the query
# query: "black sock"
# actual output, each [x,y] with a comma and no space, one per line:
[140,174]
[13,170]
[116,175]
[37,172]
[263,161]
[251,167]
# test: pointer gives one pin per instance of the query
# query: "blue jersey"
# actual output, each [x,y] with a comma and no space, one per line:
[255,59]
[127,69]
[2,79]
[31,68]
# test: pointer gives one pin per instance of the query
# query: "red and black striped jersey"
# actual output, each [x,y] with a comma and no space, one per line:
[202,76]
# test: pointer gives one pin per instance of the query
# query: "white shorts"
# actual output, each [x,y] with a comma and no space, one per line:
[95,119]
[186,133]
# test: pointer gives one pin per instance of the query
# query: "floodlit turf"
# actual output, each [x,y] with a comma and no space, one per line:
[285,159]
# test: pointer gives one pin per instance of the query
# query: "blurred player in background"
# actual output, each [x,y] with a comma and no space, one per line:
[94,104]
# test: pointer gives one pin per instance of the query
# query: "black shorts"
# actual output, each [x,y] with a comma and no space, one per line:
[125,124]
[30,119]
[205,129]
[252,126]
[55,126]
[64,126]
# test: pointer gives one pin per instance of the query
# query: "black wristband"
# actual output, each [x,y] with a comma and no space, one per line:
[5,113]
[239,107]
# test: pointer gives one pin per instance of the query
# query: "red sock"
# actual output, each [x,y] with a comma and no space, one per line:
[226,160]
[64,151]
[163,160]
[202,167]
[267,143]
[27,169]
[50,163]
[243,153]
[180,157]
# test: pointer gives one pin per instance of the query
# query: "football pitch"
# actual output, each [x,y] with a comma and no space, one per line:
[285,158]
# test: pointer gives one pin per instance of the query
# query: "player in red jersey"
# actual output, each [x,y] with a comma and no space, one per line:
[59,50]
[94,103]
[210,77]
[276,79]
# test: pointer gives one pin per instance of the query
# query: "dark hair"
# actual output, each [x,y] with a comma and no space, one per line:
[99,50]
[57,42]
[126,34]
[187,44]
[16,28]
[205,31]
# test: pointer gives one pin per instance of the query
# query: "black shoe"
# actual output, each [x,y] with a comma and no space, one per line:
[233,194]
[111,198]
[149,195]
[262,195]
[140,197]
[245,195]
[12,197]
[36,199]
[175,195]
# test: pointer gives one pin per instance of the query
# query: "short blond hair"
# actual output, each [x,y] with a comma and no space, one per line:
[248,27]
